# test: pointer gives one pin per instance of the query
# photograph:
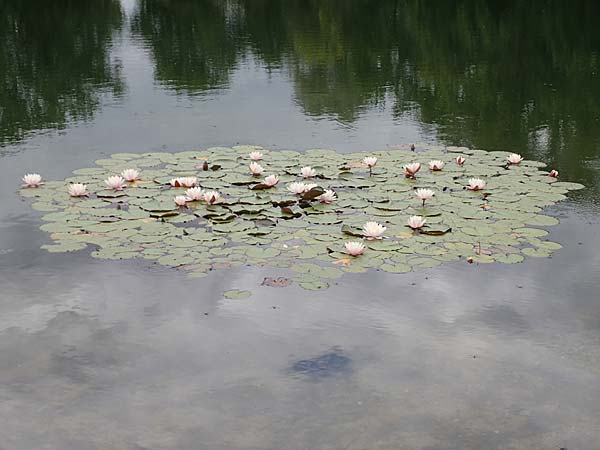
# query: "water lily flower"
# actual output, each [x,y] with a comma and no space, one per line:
[256,156]
[460,160]
[116,183]
[424,194]
[194,194]
[256,169]
[514,158]
[32,180]
[308,172]
[370,162]
[411,169]
[271,180]
[553,173]
[130,175]
[309,186]
[296,188]
[184,182]
[436,165]
[354,248]
[416,222]
[327,197]
[476,184]
[181,200]
[211,197]
[78,190]
[373,230]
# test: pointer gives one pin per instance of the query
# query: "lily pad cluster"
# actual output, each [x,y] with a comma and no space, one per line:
[253,224]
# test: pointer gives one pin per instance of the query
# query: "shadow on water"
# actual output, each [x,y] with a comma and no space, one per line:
[329,364]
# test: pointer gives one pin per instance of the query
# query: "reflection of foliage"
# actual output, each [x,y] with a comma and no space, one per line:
[516,73]
[53,61]
[194,48]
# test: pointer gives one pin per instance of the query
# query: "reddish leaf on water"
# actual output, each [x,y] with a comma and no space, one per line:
[276,282]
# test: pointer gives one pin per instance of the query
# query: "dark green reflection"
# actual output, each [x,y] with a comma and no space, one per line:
[192,41]
[510,74]
[53,62]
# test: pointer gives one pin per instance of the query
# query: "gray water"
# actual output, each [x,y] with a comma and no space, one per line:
[126,355]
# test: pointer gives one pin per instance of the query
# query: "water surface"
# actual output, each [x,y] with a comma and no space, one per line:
[101,354]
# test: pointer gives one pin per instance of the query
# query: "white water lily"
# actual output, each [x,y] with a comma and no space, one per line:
[130,175]
[514,158]
[553,173]
[370,161]
[327,197]
[309,186]
[271,180]
[77,190]
[308,172]
[184,182]
[180,200]
[424,194]
[296,188]
[416,222]
[32,180]
[194,194]
[373,230]
[255,156]
[256,169]
[116,183]
[211,197]
[460,160]
[476,184]
[188,181]
[354,248]
[411,169]
[436,165]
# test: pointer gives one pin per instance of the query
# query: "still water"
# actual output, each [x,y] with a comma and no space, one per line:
[121,355]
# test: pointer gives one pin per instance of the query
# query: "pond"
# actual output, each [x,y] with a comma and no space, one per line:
[99,353]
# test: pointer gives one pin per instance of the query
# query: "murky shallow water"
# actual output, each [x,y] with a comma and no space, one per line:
[101,354]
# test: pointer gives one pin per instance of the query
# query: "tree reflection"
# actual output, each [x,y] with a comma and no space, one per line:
[193,42]
[54,62]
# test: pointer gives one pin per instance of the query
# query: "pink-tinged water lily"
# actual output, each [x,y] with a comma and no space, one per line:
[256,156]
[436,165]
[32,180]
[309,186]
[370,161]
[514,158]
[296,188]
[211,197]
[180,200]
[77,190]
[476,184]
[256,169]
[553,173]
[460,160]
[327,197]
[184,182]
[130,175]
[416,222]
[271,180]
[355,248]
[424,194]
[308,172]
[373,230]
[194,194]
[411,169]
[116,183]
